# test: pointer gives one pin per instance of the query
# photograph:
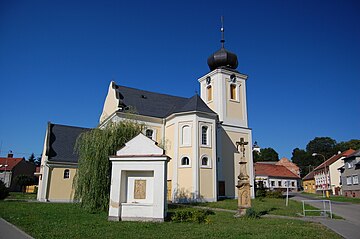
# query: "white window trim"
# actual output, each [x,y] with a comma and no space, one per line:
[206,93]
[153,137]
[347,180]
[209,164]
[181,135]
[237,91]
[353,181]
[208,135]
[184,166]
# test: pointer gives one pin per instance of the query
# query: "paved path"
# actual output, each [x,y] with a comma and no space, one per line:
[9,231]
[349,227]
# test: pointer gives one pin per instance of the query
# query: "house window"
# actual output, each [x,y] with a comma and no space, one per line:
[66,173]
[348,180]
[209,93]
[279,183]
[186,135]
[272,183]
[185,161]
[149,133]
[204,135]
[292,184]
[355,179]
[233,91]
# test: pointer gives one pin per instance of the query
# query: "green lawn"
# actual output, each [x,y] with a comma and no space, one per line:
[21,196]
[59,220]
[274,206]
[334,198]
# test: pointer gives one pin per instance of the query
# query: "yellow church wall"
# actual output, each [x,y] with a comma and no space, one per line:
[206,182]
[169,148]
[185,181]
[61,189]
[229,152]
[111,103]
[233,107]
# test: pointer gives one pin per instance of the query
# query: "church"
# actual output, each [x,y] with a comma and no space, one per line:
[200,135]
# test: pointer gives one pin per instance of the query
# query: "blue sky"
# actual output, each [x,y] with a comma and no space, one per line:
[58,57]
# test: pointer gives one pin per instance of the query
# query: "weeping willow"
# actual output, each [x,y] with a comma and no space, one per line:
[92,179]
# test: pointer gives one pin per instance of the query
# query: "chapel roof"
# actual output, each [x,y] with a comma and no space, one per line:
[61,142]
[156,104]
[273,170]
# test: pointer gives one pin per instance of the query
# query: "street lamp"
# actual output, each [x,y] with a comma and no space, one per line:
[326,182]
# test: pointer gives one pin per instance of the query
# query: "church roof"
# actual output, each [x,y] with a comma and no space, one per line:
[61,142]
[156,104]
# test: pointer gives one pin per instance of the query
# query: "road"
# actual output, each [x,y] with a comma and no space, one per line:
[349,227]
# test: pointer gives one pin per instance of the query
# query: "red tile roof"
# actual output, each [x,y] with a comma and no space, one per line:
[334,158]
[273,171]
[10,162]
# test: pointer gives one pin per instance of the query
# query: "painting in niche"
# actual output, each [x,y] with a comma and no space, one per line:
[140,189]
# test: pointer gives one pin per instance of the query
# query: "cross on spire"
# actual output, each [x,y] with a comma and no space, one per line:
[222,32]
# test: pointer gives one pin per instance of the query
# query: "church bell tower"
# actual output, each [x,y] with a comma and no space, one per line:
[223,89]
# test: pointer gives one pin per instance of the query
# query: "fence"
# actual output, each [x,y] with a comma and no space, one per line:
[322,211]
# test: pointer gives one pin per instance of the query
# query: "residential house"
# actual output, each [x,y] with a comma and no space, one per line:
[330,182]
[11,167]
[308,183]
[350,173]
[276,177]
[200,134]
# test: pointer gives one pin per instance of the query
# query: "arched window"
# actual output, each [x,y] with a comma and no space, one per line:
[185,161]
[149,133]
[204,135]
[233,91]
[186,136]
[204,161]
[209,93]
[66,173]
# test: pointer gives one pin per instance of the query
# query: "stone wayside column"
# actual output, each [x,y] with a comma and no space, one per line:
[243,186]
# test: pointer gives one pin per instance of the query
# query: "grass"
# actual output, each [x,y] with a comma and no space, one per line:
[273,206]
[21,196]
[59,220]
[335,198]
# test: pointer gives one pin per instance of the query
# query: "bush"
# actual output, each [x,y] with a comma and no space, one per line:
[274,194]
[191,215]
[251,213]
[4,192]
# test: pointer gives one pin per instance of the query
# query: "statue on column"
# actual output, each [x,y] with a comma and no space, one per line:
[244,198]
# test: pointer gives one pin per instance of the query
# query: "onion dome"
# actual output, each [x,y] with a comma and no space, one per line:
[222,58]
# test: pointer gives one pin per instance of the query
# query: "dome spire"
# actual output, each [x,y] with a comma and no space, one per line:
[222,32]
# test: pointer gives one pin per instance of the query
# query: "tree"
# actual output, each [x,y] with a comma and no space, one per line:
[268,154]
[256,156]
[351,144]
[303,160]
[92,180]
[31,159]
[322,145]
[23,181]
